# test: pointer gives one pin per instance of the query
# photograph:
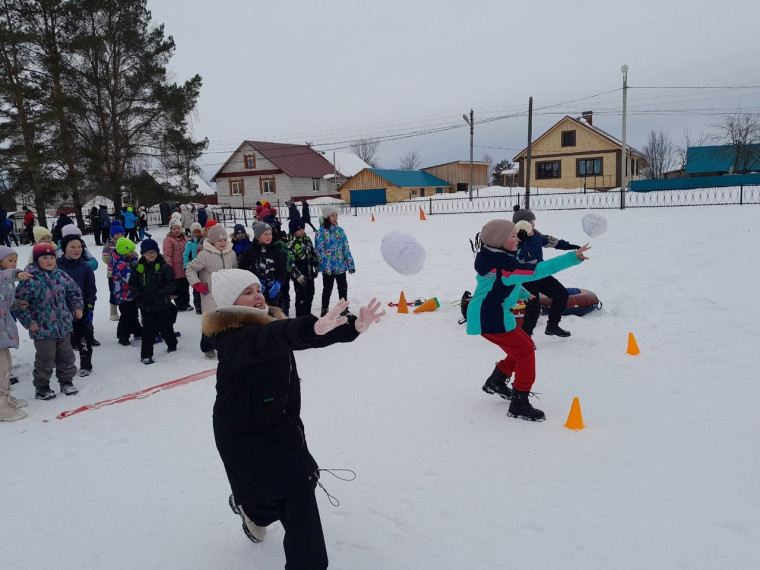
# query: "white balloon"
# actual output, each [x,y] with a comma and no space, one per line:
[403,253]
[594,225]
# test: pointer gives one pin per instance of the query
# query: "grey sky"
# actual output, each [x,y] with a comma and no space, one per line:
[333,71]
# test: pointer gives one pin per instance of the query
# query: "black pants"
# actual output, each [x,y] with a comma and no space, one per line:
[14,238]
[183,293]
[97,233]
[81,341]
[105,234]
[29,230]
[308,223]
[196,300]
[4,237]
[159,322]
[132,234]
[304,540]
[129,322]
[284,298]
[304,297]
[327,287]
[553,289]
[206,345]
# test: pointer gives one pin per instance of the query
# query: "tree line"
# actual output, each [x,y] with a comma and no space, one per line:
[86,102]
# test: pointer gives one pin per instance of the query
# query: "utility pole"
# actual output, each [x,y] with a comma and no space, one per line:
[527,161]
[624,156]
[470,121]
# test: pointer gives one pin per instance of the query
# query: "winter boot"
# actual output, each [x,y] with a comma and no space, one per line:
[44,394]
[520,408]
[114,313]
[254,532]
[69,389]
[554,330]
[14,402]
[210,354]
[10,413]
[497,384]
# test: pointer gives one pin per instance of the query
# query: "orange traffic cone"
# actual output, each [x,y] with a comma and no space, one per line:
[575,419]
[402,307]
[373,217]
[429,305]
[633,348]
[422,215]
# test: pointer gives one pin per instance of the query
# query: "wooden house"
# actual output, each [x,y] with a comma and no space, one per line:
[457,174]
[375,186]
[576,154]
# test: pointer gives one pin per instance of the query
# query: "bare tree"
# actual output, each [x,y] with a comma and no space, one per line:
[741,130]
[366,149]
[410,160]
[690,142]
[489,159]
[660,155]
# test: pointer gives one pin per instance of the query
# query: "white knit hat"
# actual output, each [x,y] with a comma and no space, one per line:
[328,210]
[227,284]
[69,230]
[175,222]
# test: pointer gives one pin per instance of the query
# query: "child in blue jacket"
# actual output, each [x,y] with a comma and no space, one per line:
[500,277]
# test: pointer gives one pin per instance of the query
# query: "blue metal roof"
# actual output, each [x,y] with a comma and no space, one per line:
[409,178]
[703,159]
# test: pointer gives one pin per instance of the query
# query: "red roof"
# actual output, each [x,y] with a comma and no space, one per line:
[295,160]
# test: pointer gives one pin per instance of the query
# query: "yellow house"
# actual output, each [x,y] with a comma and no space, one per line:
[576,154]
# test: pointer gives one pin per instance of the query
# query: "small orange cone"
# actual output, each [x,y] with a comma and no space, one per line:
[575,419]
[633,348]
[422,215]
[429,305]
[402,307]
[373,217]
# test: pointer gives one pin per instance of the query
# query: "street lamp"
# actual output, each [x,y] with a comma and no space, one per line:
[470,121]
[624,157]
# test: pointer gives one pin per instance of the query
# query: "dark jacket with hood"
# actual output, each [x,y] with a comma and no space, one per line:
[151,284]
[257,413]
[81,272]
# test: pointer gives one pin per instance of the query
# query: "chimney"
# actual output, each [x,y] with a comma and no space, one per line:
[589,116]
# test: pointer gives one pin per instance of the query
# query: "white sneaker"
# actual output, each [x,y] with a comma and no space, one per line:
[210,354]
[254,532]
[10,414]
[15,402]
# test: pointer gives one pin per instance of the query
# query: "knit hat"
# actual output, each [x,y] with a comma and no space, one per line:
[5,251]
[116,228]
[295,225]
[210,223]
[68,239]
[124,246]
[329,210]
[70,230]
[496,232]
[216,233]
[175,222]
[524,225]
[239,229]
[176,216]
[42,249]
[227,284]
[148,245]
[195,226]
[40,232]
[260,228]
[522,215]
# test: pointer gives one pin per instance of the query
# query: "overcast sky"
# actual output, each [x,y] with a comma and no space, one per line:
[333,71]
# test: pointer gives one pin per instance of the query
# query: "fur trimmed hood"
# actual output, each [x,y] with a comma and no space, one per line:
[208,246]
[233,317]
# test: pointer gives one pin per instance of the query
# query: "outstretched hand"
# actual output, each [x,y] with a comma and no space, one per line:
[332,319]
[368,315]
[581,250]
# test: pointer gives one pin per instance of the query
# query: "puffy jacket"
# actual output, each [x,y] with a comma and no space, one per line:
[52,296]
[266,262]
[121,270]
[173,250]
[81,272]
[152,284]
[532,248]
[209,260]
[8,303]
[108,250]
[191,250]
[305,259]
[333,251]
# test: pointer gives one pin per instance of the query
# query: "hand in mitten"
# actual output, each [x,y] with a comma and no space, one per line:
[88,317]
[522,235]
[367,315]
[301,280]
[201,288]
[332,319]
[274,289]
[351,271]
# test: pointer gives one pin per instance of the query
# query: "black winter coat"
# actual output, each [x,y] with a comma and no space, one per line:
[82,274]
[257,422]
[152,284]
[267,263]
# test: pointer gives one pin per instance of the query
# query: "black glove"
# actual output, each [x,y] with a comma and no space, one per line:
[522,235]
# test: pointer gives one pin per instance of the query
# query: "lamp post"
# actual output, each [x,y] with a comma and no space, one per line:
[470,121]
[624,157]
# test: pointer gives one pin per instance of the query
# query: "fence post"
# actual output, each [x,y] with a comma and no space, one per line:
[741,194]
[430,205]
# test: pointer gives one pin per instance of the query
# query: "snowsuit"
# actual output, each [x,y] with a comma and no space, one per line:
[129,225]
[266,262]
[335,260]
[151,285]
[500,276]
[121,268]
[305,263]
[8,331]
[52,296]
[81,336]
[174,249]
[257,423]
[531,251]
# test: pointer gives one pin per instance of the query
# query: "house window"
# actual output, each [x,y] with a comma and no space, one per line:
[589,167]
[548,170]
[249,160]
[267,186]
[422,191]
[237,188]
[315,184]
[568,138]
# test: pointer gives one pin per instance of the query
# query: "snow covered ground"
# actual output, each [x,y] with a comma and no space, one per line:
[664,476]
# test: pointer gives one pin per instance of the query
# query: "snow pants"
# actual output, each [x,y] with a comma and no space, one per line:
[304,540]
[154,323]
[129,321]
[553,289]
[183,293]
[53,353]
[521,357]
[304,297]
[327,287]
[81,339]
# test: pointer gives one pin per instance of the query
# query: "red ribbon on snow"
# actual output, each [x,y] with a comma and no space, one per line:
[141,394]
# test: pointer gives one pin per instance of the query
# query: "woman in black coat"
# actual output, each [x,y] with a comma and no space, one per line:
[257,422]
